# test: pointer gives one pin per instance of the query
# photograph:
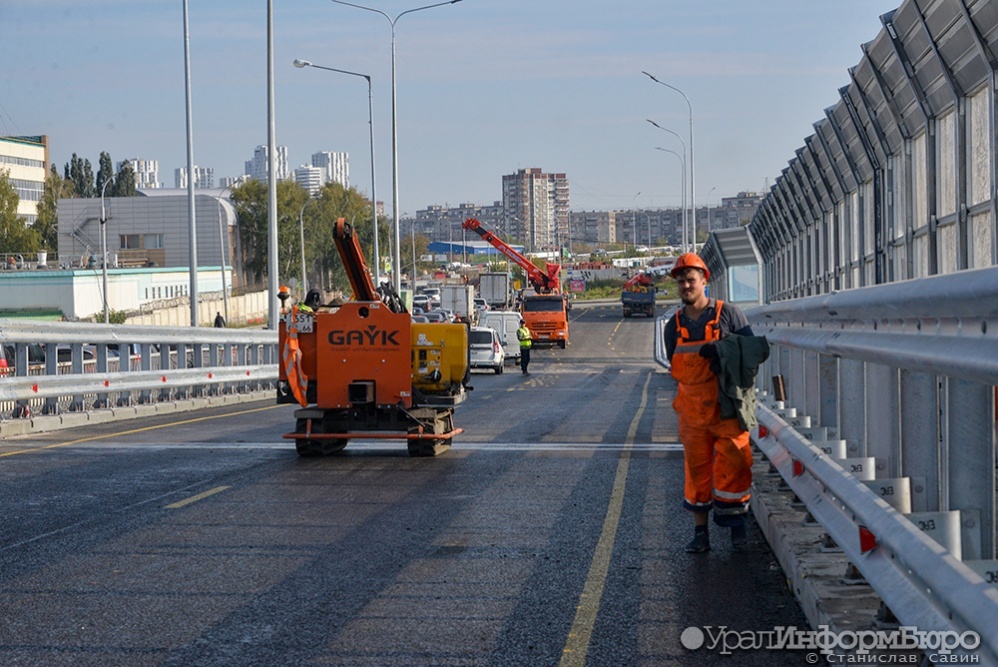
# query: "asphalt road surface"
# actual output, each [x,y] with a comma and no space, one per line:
[552,533]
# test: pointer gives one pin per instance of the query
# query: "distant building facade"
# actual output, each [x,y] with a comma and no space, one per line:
[310,178]
[204,178]
[593,226]
[25,160]
[444,223]
[150,230]
[335,167]
[536,208]
[259,166]
[146,173]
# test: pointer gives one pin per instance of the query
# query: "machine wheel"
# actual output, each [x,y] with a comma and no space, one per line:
[442,423]
[562,344]
[318,447]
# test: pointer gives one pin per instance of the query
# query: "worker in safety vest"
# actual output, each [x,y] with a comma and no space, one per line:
[716,452]
[312,302]
[526,341]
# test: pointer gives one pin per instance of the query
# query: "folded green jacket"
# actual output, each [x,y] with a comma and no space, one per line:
[738,361]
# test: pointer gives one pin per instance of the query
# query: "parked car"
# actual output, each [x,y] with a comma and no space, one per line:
[481,305]
[486,349]
[420,301]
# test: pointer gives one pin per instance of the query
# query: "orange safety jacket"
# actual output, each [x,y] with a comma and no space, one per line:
[717,453]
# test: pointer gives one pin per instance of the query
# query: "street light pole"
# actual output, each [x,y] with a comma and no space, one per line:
[374,196]
[708,208]
[693,176]
[191,214]
[634,218]
[301,229]
[222,233]
[682,161]
[395,168]
[686,226]
[103,250]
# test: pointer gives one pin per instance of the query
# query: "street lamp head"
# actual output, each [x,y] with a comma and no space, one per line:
[302,63]
[649,75]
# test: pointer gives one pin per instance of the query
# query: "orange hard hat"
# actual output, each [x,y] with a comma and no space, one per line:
[690,260]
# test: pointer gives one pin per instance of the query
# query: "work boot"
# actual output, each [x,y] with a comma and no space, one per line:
[700,542]
[739,537]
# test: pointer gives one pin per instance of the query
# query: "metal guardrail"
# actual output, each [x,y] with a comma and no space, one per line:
[59,366]
[906,374]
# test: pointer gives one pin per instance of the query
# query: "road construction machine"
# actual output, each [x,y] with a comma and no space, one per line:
[545,308]
[362,369]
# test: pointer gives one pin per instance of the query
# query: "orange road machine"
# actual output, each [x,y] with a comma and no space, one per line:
[365,370]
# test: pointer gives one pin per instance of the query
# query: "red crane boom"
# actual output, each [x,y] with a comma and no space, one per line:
[544,283]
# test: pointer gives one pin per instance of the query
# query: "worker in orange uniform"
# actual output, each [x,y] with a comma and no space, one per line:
[716,452]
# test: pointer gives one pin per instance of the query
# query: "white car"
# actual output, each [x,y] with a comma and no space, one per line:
[486,349]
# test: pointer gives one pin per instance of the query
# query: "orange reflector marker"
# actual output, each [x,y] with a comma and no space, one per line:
[107,383]
[34,388]
[867,540]
[163,379]
[211,375]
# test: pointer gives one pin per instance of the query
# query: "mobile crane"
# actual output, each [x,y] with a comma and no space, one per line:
[545,311]
[638,296]
[365,370]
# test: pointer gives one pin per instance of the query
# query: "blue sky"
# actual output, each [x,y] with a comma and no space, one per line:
[484,87]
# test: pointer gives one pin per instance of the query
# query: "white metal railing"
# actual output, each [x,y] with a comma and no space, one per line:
[905,373]
[58,366]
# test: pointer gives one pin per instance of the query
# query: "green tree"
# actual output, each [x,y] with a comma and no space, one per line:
[124,182]
[15,235]
[324,267]
[81,174]
[47,224]
[105,173]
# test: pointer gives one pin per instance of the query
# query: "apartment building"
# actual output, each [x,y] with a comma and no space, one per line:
[25,160]
[536,207]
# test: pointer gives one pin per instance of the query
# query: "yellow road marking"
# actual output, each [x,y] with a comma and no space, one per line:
[194,499]
[132,431]
[574,653]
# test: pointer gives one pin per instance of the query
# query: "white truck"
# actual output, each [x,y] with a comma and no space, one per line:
[460,300]
[494,288]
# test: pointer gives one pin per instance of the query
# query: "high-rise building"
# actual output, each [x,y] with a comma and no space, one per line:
[259,168]
[309,178]
[536,206]
[146,173]
[204,177]
[25,160]
[335,167]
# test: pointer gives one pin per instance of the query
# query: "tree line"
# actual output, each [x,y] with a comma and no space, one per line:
[317,214]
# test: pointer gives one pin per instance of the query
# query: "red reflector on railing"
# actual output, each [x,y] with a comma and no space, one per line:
[798,468]
[763,431]
[867,540]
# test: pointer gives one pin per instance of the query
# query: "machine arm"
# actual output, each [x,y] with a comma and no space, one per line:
[542,282]
[350,251]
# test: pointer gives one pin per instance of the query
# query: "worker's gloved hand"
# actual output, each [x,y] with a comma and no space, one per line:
[709,352]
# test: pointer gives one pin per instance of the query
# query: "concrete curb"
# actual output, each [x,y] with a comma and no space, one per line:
[815,577]
[42,423]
